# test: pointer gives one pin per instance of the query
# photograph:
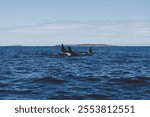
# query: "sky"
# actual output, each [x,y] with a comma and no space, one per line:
[52,22]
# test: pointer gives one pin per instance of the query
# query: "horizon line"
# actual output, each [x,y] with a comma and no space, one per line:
[69,44]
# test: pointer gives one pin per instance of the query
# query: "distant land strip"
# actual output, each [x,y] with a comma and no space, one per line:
[85,45]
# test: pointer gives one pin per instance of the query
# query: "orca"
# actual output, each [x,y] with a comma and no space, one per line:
[70,52]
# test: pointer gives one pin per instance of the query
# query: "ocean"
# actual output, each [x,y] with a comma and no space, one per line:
[39,73]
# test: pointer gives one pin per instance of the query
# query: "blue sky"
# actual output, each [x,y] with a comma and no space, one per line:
[51,22]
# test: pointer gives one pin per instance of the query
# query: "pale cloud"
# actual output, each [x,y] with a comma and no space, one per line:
[45,27]
[91,27]
[105,31]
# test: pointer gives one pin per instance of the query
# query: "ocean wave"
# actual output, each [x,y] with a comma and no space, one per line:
[20,92]
[49,79]
[132,80]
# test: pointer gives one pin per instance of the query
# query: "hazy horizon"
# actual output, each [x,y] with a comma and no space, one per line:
[53,22]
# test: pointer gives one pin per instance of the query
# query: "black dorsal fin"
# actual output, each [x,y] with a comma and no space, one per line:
[63,48]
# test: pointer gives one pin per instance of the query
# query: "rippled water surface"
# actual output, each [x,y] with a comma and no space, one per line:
[111,73]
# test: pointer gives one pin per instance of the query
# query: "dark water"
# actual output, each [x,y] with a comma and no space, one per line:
[111,73]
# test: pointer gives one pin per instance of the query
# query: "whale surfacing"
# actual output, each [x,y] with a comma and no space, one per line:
[70,52]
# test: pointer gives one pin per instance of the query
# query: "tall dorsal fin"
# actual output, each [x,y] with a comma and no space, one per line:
[63,48]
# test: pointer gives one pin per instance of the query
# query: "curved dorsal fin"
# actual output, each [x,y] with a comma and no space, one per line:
[90,50]
[69,49]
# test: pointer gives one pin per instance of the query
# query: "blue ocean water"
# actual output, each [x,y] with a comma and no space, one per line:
[39,73]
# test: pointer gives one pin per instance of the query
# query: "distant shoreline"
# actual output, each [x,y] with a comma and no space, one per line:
[85,45]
